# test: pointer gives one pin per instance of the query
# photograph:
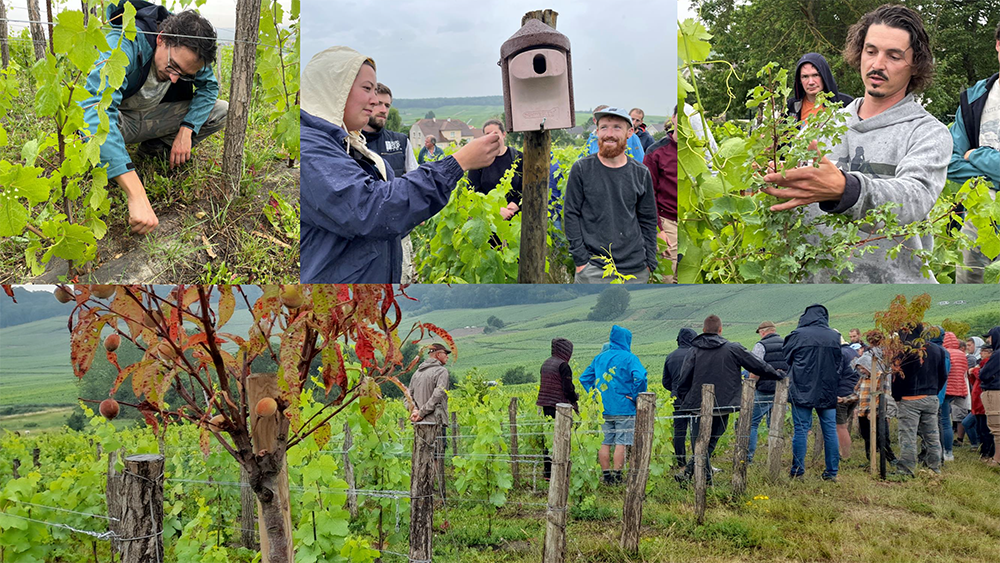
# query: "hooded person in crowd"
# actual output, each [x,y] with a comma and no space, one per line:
[915,386]
[894,151]
[671,380]
[815,366]
[989,380]
[618,377]
[354,210]
[717,361]
[556,386]
[812,76]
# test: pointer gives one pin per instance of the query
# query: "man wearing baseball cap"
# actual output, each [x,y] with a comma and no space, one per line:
[768,348]
[633,146]
[610,207]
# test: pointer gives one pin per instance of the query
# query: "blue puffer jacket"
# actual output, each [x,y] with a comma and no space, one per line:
[138,51]
[617,375]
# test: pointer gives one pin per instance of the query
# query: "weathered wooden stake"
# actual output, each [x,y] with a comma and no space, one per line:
[743,436]
[142,509]
[352,497]
[638,471]
[701,466]
[264,432]
[512,414]
[244,65]
[776,433]
[554,550]
[535,188]
[248,516]
[4,45]
[874,396]
[35,454]
[37,31]
[425,439]
[113,497]
[15,465]
[48,9]
[454,433]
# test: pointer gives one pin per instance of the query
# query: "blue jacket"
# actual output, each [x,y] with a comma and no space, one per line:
[633,148]
[621,376]
[984,161]
[815,362]
[138,51]
[352,221]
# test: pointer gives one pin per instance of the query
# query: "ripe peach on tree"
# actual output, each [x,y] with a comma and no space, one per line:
[185,348]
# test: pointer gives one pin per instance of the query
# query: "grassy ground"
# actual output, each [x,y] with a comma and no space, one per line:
[951,519]
[198,216]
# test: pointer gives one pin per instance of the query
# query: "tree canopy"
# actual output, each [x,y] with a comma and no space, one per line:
[752,33]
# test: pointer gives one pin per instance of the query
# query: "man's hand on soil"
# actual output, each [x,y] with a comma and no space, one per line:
[181,150]
[140,214]
[805,185]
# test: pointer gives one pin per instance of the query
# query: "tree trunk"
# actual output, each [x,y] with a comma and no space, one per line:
[4,45]
[48,9]
[248,505]
[638,472]
[743,437]
[142,509]
[37,32]
[269,479]
[244,64]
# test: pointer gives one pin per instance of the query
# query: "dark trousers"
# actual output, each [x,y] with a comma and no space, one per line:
[680,438]
[881,437]
[987,442]
[719,423]
[547,465]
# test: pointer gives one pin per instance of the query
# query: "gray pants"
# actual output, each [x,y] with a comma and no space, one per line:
[592,274]
[918,417]
[164,121]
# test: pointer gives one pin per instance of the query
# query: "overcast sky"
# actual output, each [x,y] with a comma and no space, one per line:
[623,54]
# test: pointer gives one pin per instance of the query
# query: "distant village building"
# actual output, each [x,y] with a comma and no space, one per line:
[445,130]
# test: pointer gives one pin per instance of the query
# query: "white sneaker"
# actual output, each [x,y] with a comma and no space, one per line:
[949,456]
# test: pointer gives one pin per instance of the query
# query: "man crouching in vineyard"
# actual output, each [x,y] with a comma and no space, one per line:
[610,207]
[894,151]
[168,100]
[354,209]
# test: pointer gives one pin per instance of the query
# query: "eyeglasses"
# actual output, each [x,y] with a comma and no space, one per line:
[172,69]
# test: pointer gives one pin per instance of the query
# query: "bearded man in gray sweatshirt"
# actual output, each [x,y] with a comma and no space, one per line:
[893,151]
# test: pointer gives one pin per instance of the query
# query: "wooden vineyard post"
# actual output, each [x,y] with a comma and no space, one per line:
[37,32]
[638,471]
[425,439]
[352,495]
[535,188]
[881,418]
[15,464]
[264,432]
[454,433]
[248,516]
[4,45]
[142,509]
[554,550]
[874,394]
[512,414]
[113,498]
[48,9]
[35,454]
[742,449]
[244,65]
[776,433]
[701,466]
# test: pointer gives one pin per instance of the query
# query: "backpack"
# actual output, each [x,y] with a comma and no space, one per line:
[147,19]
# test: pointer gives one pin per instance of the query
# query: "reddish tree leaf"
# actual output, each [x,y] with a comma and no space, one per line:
[343,292]
[129,310]
[444,336]
[84,339]
[142,379]
[364,349]
[125,373]
[334,372]
[204,438]
[113,358]
[371,403]
[83,295]
[149,414]
[227,303]
[290,355]
[9,291]
[322,436]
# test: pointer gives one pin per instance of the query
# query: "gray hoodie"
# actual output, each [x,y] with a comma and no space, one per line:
[900,155]
[429,387]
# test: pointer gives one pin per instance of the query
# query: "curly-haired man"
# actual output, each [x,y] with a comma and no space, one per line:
[167,102]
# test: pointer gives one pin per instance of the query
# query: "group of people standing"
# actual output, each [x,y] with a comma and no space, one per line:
[923,375]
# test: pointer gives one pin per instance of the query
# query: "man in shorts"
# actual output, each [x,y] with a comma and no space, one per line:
[618,377]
